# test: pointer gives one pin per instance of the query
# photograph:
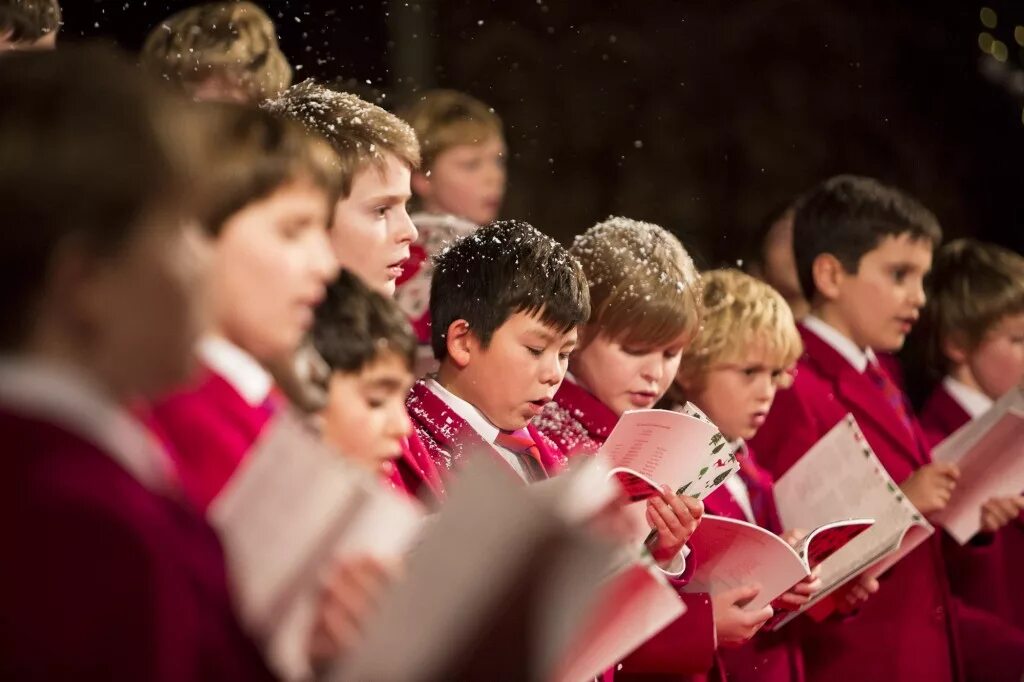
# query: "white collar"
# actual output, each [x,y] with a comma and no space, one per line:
[840,343]
[68,398]
[474,417]
[974,402]
[237,367]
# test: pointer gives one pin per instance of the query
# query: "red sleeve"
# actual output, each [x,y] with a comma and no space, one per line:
[90,599]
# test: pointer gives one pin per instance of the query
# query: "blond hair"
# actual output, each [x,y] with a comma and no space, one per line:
[444,119]
[232,42]
[361,133]
[974,285]
[644,288]
[740,313]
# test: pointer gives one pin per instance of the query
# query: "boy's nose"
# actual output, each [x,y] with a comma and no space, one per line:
[325,262]
[405,230]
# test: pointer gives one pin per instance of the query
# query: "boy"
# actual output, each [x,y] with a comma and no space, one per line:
[270,267]
[370,228]
[107,575]
[773,260]
[507,302]
[369,349]
[862,251]
[975,320]
[29,24]
[459,186]
[745,349]
[222,51]
[646,298]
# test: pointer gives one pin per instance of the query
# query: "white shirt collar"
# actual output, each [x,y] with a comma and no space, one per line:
[66,397]
[840,343]
[238,368]
[974,402]
[474,417]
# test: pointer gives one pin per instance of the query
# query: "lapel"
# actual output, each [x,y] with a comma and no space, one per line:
[452,437]
[948,413]
[862,398]
[590,412]
[760,487]
[245,418]
[551,458]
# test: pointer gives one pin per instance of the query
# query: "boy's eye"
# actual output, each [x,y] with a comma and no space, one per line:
[900,274]
[564,355]
[536,352]
[381,211]
[636,352]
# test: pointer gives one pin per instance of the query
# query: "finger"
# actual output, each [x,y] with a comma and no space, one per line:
[669,517]
[743,593]
[696,507]
[870,585]
[658,523]
[679,508]
[792,601]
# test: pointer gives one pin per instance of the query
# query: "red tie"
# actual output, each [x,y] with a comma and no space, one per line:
[521,443]
[893,395]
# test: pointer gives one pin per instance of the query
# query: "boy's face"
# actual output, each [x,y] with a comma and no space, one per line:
[518,372]
[272,263]
[467,180]
[142,308]
[625,377]
[365,416]
[997,364]
[736,396]
[877,306]
[371,230]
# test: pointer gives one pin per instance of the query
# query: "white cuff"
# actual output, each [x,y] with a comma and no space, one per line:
[678,565]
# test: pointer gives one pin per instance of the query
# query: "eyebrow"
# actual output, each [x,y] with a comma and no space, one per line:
[386,383]
[389,198]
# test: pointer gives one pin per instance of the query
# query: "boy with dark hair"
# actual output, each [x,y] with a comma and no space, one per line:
[223,51]
[369,349]
[29,24]
[100,261]
[862,251]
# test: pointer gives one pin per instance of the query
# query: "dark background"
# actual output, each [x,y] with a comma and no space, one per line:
[702,116]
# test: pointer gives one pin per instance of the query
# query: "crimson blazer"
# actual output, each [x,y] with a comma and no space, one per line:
[578,423]
[103,578]
[209,428]
[985,575]
[914,612]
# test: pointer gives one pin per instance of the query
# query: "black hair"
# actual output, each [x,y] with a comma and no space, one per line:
[502,269]
[354,325]
[29,20]
[847,216]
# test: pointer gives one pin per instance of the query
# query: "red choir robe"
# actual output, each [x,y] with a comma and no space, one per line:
[578,423]
[210,427]
[685,646]
[986,577]
[107,575]
[768,656]
[911,630]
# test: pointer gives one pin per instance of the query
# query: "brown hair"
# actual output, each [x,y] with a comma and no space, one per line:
[233,42]
[444,119]
[644,288]
[88,146]
[27,21]
[847,216]
[260,152]
[361,133]
[973,286]
[740,313]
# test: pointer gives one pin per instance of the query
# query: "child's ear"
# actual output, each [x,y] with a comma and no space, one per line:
[828,274]
[954,348]
[421,186]
[461,342]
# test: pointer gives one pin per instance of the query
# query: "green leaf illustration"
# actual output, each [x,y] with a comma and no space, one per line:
[702,472]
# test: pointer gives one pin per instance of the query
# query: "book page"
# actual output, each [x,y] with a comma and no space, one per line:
[650,448]
[823,542]
[991,466]
[729,553]
[292,506]
[635,605]
[840,477]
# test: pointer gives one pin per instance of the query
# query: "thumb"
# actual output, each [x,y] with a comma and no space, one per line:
[743,593]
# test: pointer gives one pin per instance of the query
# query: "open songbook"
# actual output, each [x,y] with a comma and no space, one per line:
[990,454]
[731,553]
[505,578]
[648,449]
[840,477]
[293,504]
